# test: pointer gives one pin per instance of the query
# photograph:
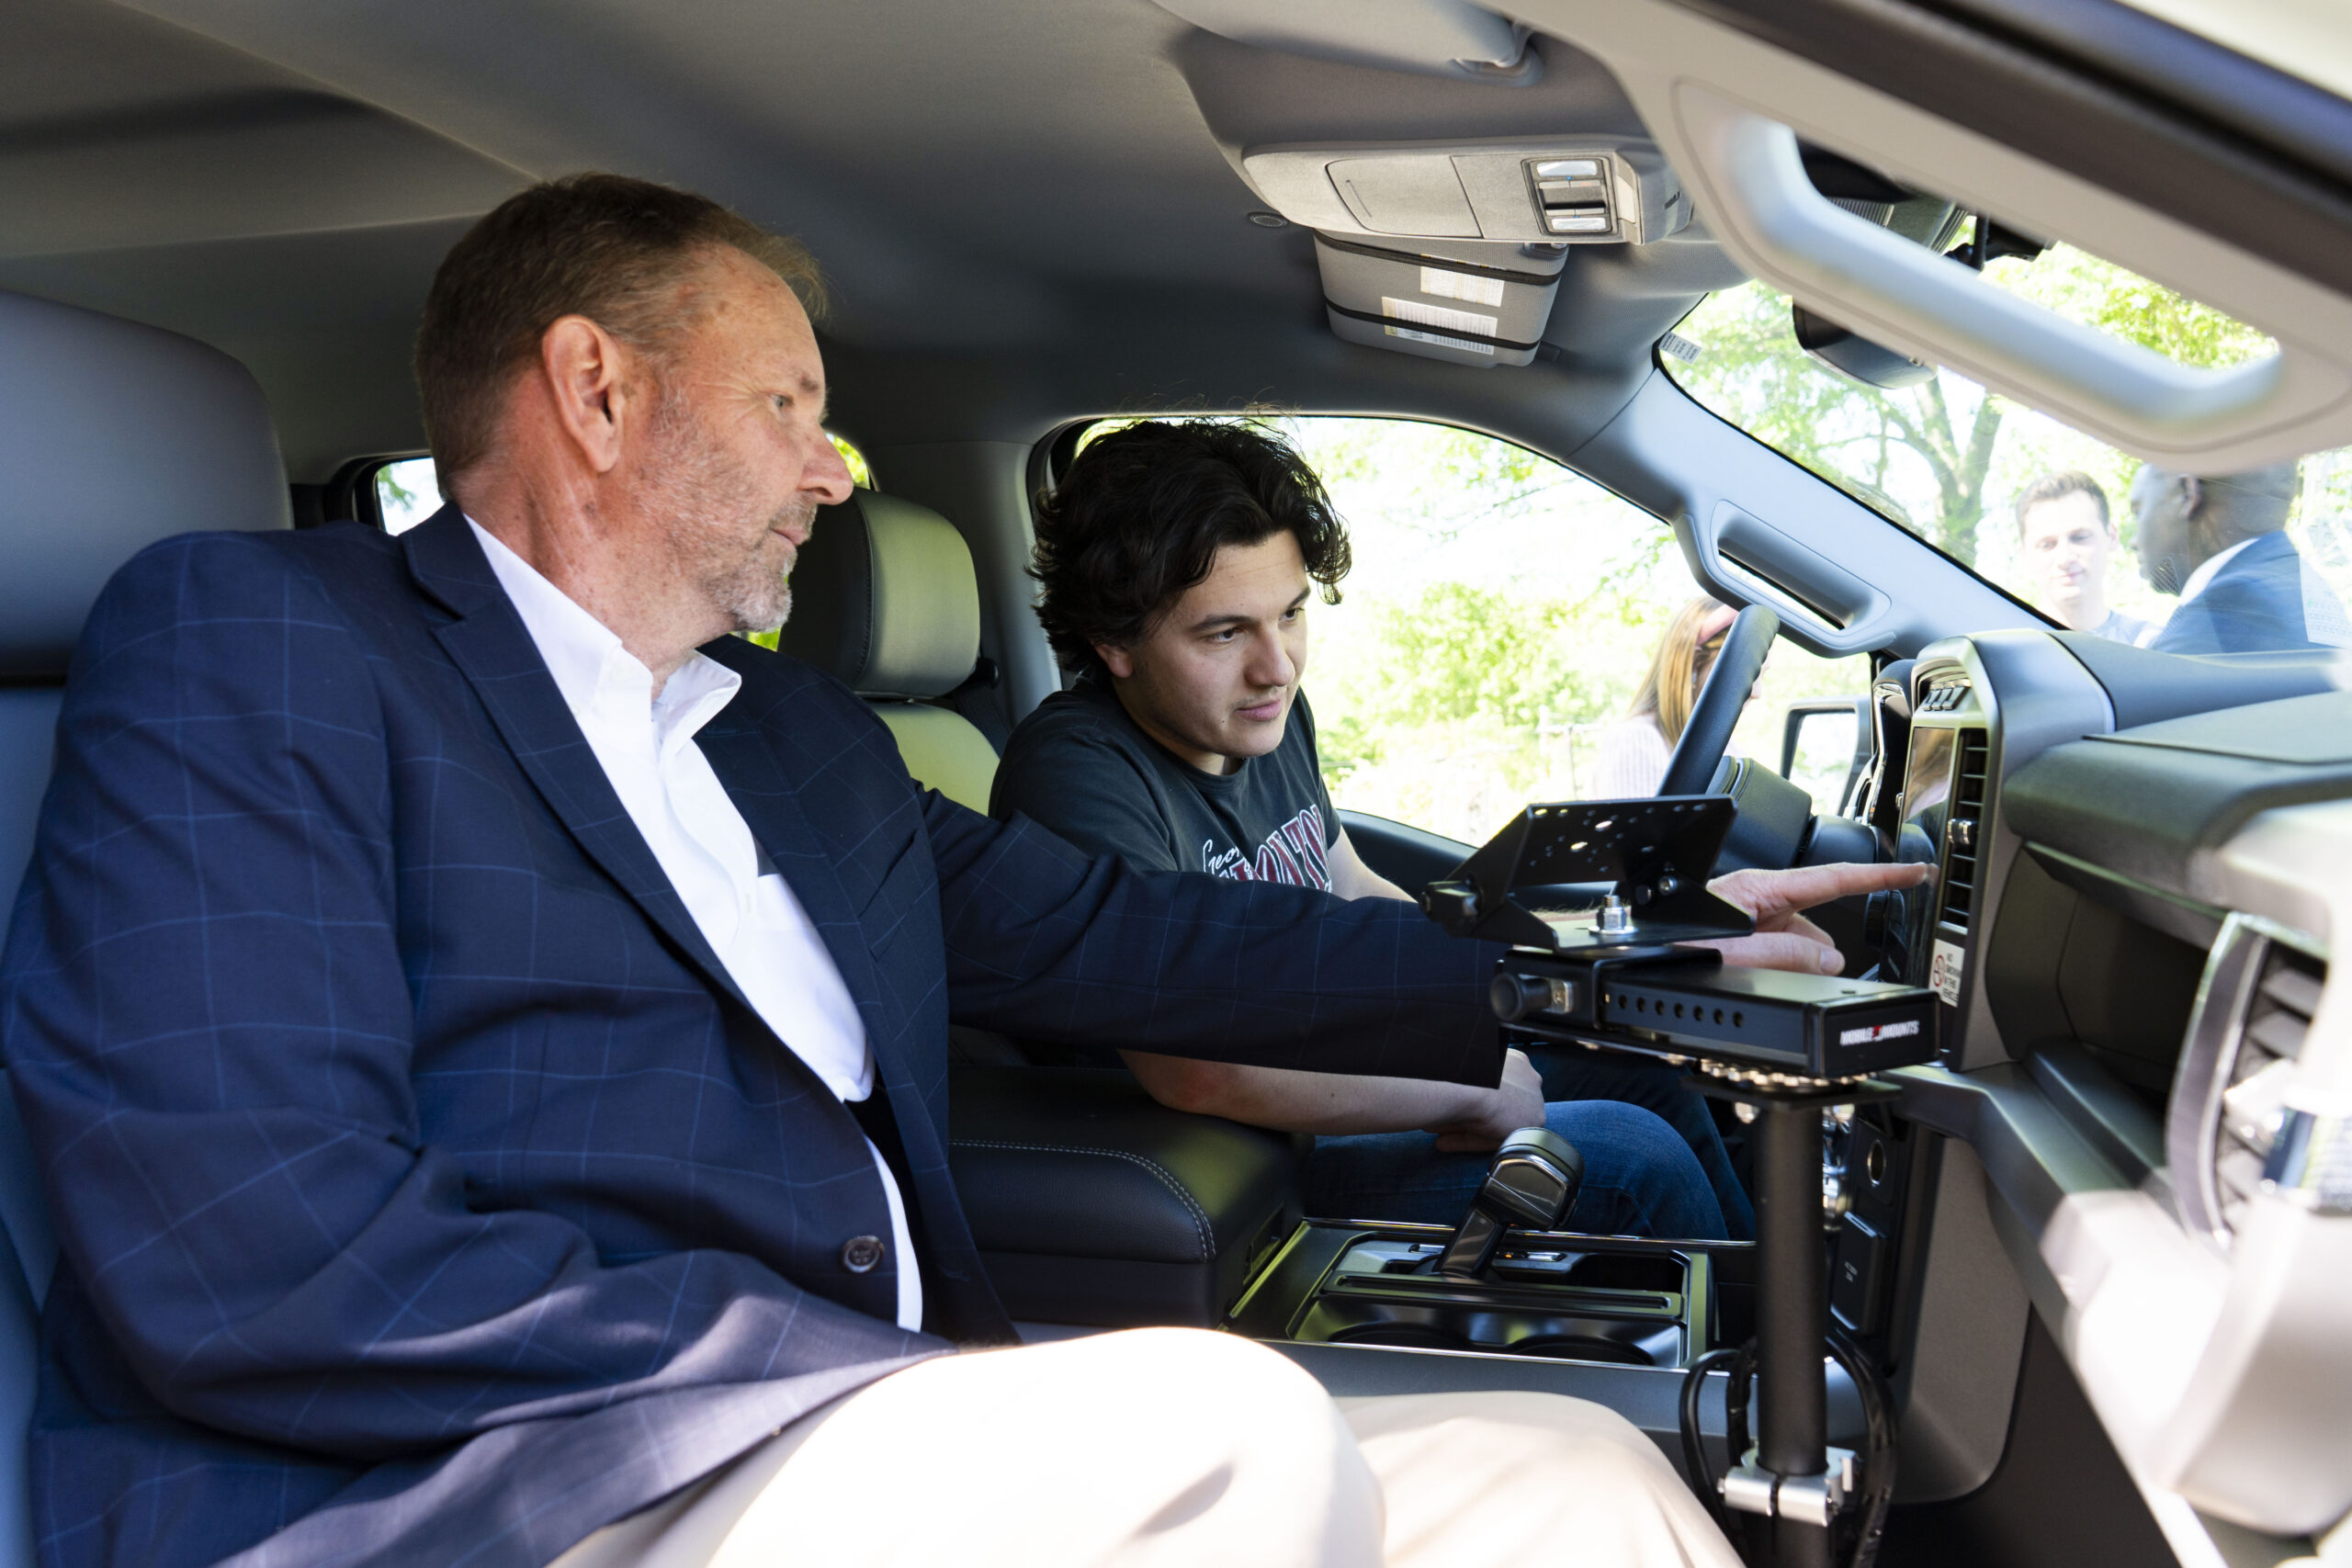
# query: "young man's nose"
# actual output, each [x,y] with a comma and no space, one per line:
[1270,662]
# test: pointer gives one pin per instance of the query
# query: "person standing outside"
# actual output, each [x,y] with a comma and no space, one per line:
[2220,542]
[1633,753]
[2067,537]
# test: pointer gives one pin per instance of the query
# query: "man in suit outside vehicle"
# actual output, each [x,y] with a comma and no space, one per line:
[2220,542]
[484,1029]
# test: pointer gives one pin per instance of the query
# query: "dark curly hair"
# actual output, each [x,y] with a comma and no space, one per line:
[1141,513]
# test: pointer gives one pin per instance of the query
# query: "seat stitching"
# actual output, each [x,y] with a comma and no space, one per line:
[1167,1180]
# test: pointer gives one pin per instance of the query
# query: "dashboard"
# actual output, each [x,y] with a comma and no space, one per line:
[2141,862]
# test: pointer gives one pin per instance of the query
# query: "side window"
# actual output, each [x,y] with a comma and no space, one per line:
[408,490]
[861,474]
[1495,636]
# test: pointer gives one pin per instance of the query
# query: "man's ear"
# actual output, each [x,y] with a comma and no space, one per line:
[584,367]
[1119,662]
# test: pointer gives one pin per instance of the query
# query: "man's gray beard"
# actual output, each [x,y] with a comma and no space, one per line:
[706,500]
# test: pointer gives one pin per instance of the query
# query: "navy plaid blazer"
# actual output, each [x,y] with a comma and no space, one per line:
[428,1192]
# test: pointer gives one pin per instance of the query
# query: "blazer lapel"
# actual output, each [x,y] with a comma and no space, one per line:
[765,774]
[743,754]
[491,645]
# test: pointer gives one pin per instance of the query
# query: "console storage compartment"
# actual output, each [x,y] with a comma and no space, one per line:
[1093,1204]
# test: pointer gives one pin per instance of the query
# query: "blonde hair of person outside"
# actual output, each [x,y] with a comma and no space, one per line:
[1634,752]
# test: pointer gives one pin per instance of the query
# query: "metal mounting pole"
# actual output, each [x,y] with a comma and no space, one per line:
[1791,1476]
[1792,1416]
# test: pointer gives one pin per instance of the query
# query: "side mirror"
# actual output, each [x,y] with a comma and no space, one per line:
[1825,746]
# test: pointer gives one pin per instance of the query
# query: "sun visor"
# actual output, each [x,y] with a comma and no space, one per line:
[1468,304]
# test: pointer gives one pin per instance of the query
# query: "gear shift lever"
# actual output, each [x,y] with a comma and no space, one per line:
[1532,1184]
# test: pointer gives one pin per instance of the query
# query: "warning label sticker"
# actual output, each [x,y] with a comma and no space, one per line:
[1943,973]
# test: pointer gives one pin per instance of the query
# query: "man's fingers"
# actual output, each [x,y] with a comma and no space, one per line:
[1766,893]
[1780,949]
[1797,925]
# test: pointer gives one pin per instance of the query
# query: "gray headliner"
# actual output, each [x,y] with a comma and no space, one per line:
[1030,212]
[1001,194]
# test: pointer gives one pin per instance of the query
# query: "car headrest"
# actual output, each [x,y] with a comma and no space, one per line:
[882,596]
[113,436]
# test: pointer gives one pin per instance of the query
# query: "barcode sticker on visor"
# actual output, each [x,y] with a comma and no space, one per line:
[1465,344]
[1438,316]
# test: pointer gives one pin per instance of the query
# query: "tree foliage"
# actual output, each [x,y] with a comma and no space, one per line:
[1930,457]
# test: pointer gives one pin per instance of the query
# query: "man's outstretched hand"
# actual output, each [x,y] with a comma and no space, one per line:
[1784,939]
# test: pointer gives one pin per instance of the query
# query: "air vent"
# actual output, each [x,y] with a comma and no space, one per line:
[2229,1105]
[1962,830]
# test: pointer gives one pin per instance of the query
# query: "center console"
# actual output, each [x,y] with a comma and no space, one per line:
[1553,1295]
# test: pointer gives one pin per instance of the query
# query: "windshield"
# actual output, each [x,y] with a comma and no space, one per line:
[2092,537]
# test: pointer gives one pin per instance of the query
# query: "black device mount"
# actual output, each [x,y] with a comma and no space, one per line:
[1787,1045]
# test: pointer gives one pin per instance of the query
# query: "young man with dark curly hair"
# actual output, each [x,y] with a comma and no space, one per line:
[1178,560]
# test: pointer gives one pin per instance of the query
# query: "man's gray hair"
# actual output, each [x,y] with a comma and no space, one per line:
[604,246]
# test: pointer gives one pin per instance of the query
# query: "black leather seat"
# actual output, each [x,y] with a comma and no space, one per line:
[1091,1202]
[112,436]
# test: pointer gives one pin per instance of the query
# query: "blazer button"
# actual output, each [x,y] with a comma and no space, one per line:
[861,1253]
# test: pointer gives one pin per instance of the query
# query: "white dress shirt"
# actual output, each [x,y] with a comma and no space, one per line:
[742,905]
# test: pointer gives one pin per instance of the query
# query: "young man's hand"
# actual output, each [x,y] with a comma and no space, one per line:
[1516,1102]
[1784,939]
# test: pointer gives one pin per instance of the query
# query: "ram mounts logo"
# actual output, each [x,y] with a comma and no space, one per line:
[1293,853]
[1908,1027]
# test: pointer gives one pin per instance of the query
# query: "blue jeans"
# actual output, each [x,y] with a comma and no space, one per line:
[1574,1073]
[1640,1177]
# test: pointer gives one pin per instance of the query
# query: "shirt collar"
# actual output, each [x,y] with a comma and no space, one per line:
[595,673]
[2202,577]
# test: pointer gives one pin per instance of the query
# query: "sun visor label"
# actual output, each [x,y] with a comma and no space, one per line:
[1944,971]
[1440,284]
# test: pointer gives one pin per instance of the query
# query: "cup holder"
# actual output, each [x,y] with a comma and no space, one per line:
[1582,1348]
[1557,1336]
[1411,1335]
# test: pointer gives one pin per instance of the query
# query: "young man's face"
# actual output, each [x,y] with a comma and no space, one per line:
[2066,545]
[1214,678]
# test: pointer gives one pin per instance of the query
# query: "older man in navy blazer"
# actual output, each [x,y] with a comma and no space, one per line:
[484,1030]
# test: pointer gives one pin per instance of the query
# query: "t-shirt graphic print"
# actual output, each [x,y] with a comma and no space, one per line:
[1079,767]
[1292,852]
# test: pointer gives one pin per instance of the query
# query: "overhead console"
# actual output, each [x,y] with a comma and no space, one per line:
[1453,250]
[1606,192]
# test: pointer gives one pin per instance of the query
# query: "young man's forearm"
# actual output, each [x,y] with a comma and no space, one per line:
[1328,1104]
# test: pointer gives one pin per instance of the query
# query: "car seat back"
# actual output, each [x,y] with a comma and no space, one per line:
[112,436]
[884,597]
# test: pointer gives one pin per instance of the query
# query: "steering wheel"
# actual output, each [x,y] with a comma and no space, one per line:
[1708,735]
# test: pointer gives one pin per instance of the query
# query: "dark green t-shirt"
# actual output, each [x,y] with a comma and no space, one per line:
[1080,767]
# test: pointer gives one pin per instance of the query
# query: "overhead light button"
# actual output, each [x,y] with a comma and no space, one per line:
[1572,195]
